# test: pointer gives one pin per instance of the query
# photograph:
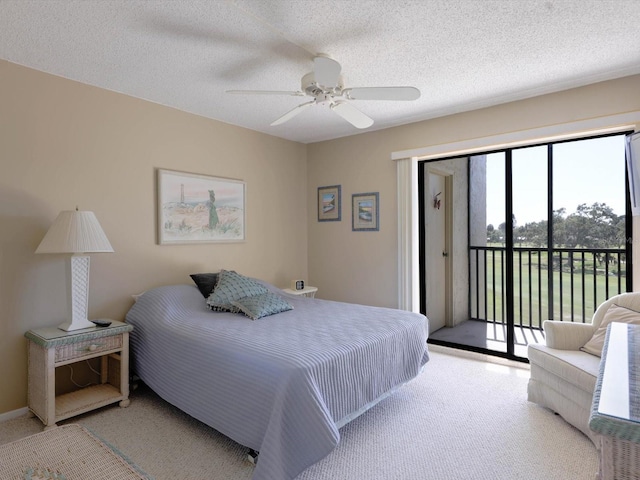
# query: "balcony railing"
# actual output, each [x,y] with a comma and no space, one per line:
[562,284]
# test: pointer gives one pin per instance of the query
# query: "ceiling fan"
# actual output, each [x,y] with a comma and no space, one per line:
[326,86]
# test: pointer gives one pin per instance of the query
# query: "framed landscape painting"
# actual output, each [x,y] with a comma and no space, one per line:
[364,212]
[329,204]
[195,208]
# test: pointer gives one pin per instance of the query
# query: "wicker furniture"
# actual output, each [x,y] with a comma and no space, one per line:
[563,378]
[69,452]
[50,348]
[615,414]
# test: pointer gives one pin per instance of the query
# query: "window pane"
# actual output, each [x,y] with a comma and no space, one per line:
[529,167]
[495,210]
[589,217]
[589,193]
[530,265]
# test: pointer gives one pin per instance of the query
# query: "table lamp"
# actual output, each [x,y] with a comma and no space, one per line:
[78,233]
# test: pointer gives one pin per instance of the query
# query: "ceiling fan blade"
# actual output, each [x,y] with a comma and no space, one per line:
[292,113]
[326,71]
[265,92]
[382,93]
[352,115]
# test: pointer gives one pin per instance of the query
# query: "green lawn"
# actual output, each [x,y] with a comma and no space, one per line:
[531,307]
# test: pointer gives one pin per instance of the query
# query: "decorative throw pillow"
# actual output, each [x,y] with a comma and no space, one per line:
[615,313]
[232,286]
[205,282]
[258,306]
[136,296]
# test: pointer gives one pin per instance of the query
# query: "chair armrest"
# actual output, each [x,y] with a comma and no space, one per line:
[567,335]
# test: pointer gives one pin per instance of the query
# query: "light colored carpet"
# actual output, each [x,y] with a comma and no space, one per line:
[460,419]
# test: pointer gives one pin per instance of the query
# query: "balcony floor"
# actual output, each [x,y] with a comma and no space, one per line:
[489,336]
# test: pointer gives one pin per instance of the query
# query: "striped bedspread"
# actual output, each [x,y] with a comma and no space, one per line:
[282,384]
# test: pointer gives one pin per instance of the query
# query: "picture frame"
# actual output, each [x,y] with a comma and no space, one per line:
[365,214]
[194,208]
[330,203]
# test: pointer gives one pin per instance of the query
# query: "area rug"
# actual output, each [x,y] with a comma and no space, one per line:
[65,453]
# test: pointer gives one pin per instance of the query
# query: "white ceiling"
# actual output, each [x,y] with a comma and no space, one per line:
[461,54]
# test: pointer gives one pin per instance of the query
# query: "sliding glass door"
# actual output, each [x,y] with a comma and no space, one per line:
[547,240]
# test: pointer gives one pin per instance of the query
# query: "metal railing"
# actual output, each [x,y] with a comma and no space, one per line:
[568,288]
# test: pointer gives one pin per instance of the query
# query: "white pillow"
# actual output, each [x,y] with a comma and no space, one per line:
[137,296]
[615,313]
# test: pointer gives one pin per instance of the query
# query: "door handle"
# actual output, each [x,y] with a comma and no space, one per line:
[445,254]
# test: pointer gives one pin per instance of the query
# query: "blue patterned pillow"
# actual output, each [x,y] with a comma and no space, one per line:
[258,306]
[232,286]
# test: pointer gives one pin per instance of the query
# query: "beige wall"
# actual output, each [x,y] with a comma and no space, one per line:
[362,266]
[64,144]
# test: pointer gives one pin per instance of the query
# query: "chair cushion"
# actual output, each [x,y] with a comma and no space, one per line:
[573,366]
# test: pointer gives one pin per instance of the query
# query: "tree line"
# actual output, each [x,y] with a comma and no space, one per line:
[590,226]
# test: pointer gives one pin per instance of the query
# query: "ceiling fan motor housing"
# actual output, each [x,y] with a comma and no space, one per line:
[313,89]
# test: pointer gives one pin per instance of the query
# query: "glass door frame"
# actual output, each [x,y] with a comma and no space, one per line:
[509,238]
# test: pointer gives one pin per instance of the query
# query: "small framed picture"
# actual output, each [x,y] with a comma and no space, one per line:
[364,212]
[329,204]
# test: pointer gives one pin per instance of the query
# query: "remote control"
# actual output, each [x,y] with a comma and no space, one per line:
[102,323]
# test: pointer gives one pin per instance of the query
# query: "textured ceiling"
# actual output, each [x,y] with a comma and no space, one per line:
[461,54]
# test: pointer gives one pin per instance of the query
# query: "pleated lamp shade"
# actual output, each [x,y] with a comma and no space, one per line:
[78,233]
[75,231]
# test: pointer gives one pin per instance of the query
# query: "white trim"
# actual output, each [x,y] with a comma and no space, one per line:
[5,417]
[551,133]
[408,284]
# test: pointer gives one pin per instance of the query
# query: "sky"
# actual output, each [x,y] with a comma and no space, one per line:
[585,171]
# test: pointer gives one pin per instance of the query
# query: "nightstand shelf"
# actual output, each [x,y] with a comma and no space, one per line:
[86,399]
[50,348]
[305,292]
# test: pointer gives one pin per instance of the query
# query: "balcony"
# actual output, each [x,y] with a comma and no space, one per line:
[559,284]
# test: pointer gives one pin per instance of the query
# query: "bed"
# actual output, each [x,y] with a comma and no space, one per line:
[281,385]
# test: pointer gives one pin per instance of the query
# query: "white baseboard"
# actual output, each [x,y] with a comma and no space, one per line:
[13,414]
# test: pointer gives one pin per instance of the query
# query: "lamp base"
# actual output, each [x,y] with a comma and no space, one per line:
[76,325]
[78,278]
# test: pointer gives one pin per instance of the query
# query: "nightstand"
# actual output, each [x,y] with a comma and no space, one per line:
[305,292]
[50,348]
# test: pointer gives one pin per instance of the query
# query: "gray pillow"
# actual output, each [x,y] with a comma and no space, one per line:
[232,286]
[258,306]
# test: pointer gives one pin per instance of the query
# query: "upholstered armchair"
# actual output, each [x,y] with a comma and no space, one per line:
[563,377]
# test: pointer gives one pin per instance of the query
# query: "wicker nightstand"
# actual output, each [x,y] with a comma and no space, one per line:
[50,348]
[615,413]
